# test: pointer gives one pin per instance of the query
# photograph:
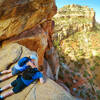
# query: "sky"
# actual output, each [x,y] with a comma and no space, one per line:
[95,4]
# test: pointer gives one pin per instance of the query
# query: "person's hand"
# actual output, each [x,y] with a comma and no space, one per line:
[28,63]
[42,80]
[31,64]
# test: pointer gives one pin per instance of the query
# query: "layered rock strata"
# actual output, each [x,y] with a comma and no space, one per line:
[73,18]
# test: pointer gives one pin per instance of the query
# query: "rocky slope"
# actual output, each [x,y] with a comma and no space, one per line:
[77,40]
[47,91]
[25,26]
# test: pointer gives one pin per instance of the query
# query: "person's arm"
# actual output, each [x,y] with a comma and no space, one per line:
[40,76]
[6,71]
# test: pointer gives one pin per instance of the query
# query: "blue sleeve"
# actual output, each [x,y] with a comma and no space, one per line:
[21,68]
[38,75]
[23,61]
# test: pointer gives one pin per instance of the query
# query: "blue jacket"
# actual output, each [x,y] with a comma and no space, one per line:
[21,65]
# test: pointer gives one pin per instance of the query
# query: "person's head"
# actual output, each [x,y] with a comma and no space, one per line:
[34,58]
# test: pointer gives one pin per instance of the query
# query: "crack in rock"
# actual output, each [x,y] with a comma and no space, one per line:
[16,59]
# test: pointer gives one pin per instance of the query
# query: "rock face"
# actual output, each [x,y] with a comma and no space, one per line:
[34,39]
[54,92]
[47,91]
[16,16]
[73,18]
[21,20]
[27,22]
[11,53]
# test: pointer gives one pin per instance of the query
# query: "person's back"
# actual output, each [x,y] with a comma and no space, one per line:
[30,75]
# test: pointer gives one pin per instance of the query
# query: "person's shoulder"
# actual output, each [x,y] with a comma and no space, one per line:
[23,61]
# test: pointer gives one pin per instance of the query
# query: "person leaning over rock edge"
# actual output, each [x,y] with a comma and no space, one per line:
[20,66]
[22,81]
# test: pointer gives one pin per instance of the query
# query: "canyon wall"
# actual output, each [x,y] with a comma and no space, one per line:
[76,38]
[73,18]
